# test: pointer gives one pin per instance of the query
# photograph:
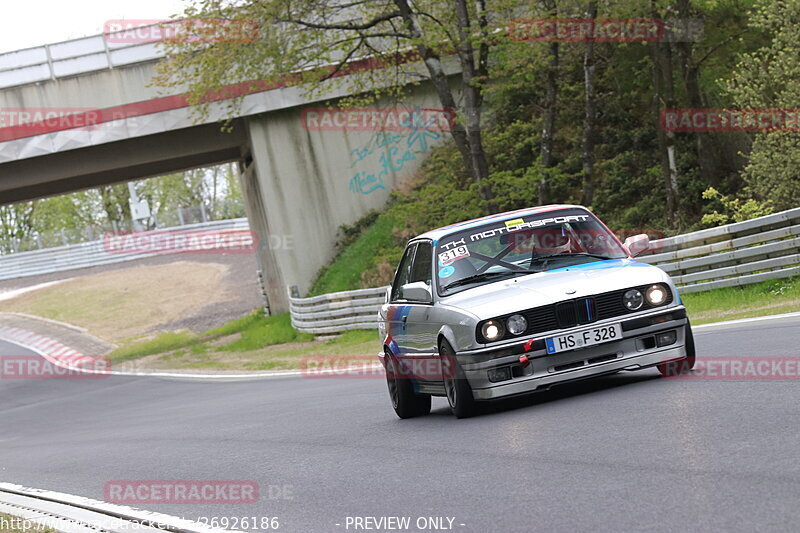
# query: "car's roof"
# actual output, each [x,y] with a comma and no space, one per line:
[438,233]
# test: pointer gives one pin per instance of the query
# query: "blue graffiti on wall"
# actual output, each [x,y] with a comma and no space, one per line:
[389,151]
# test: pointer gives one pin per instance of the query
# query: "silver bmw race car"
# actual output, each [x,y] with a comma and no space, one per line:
[517,302]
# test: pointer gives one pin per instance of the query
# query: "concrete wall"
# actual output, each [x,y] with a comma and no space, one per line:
[308,182]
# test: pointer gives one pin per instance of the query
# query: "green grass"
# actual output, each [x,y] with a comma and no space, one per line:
[759,299]
[238,325]
[266,332]
[344,273]
[256,331]
[356,344]
[164,342]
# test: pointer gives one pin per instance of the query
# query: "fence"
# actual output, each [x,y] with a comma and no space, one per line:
[746,252]
[736,254]
[90,254]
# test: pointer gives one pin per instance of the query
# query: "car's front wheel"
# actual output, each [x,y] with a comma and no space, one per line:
[456,387]
[673,368]
[405,401]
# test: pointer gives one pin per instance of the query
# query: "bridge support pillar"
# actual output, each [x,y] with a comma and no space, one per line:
[307,181]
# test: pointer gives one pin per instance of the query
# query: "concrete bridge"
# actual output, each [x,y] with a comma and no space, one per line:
[81,113]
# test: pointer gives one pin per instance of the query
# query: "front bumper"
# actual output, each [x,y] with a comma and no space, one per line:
[633,352]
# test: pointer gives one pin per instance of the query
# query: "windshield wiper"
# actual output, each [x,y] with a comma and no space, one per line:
[487,275]
[565,254]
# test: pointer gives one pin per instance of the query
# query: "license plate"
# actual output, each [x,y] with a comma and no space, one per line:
[587,337]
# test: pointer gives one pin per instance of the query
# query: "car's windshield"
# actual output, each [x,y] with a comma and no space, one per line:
[522,245]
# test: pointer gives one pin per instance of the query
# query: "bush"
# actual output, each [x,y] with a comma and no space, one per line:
[726,209]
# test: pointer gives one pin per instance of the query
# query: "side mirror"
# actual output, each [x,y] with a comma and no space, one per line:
[418,291]
[388,296]
[636,244]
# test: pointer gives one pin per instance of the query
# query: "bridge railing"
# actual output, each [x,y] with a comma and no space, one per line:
[737,254]
[69,58]
[94,253]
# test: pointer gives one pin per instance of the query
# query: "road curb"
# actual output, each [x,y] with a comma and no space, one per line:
[51,349]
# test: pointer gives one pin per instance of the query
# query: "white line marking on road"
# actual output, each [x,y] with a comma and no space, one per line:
[746,320]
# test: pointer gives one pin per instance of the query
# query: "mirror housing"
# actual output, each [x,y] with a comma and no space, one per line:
[636,244]
[418,292]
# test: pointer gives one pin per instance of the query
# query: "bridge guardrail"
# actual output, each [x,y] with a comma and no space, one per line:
[90,254]
[736,254]
[70,58]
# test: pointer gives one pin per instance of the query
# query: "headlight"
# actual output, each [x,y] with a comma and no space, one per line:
[516,324]
[492,330]
[656,295]
[633,300]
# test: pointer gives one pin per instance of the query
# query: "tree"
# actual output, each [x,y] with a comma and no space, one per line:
[315,42]
[590,106]
[550,106]
[115,202]
[16,223]
[768,79]
[664,97]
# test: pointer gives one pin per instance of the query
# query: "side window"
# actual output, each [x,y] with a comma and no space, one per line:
[403,272]
[422,267]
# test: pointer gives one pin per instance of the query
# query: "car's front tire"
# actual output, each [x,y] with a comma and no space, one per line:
[456,387]
[406,402]
[673,368]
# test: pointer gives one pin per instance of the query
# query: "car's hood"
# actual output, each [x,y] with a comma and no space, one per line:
[544,288]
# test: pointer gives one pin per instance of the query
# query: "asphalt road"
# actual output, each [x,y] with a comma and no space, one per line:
[630,452]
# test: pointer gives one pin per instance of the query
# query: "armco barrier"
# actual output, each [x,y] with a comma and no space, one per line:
[736,254]
[90,254]
[746,252]
[337,311]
